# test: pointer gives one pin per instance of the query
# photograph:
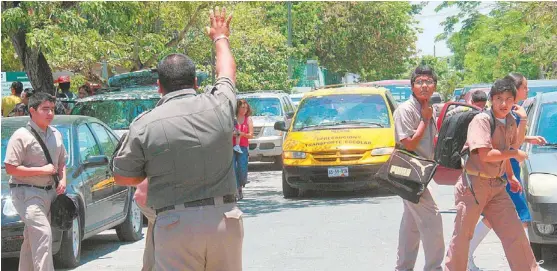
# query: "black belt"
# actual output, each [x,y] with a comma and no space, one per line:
[197,203]
[48,187]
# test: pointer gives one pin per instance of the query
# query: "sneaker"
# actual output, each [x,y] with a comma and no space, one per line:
[472,266]
[238,149]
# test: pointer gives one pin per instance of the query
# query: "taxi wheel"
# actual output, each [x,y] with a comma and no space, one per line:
[287,190]
[70,249]
[131,229]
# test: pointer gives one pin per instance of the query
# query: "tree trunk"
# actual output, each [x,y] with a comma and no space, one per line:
[35,64]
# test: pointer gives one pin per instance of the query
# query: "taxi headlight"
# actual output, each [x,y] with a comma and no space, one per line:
[294,155]
[270,131]
[382,151]
[542,185]
[8,208]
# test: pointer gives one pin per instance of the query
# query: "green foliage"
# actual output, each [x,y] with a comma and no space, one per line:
[514,37]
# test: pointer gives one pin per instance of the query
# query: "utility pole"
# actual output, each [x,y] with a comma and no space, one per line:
[289,6]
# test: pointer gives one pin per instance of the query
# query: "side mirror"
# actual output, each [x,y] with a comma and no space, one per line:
[281,126]
[98,160]
[289,115]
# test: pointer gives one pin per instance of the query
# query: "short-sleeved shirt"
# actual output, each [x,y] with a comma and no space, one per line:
[183,146]
[24,150]
[479,136]
[20,108]
[8,104]
[407,118]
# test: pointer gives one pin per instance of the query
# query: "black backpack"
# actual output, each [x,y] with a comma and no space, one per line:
[452,137]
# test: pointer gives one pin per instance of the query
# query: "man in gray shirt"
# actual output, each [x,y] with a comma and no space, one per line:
[415,130]
[183,148]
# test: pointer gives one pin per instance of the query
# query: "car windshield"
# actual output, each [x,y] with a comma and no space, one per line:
[117,114]
[547,125]
[355,110]
[264,106]
[8,130]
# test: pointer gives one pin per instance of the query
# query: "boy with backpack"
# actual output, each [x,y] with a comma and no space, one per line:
[481,190]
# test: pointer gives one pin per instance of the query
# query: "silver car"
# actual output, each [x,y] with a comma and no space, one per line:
[539,173]
[267,108]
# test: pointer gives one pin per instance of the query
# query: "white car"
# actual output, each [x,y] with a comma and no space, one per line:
[267,107]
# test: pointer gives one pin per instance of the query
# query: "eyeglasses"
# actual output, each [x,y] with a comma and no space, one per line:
[427,82]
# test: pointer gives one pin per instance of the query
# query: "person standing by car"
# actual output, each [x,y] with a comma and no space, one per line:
[32,186]
[9,102]
[21,109]
[415,130]
[244,129]
[481,190]
[519,198]
[183,147]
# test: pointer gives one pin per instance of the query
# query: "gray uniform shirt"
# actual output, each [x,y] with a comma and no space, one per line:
[183,146]
[407,118]
[24,150]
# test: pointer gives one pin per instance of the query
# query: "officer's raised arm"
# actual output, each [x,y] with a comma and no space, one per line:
[219,31]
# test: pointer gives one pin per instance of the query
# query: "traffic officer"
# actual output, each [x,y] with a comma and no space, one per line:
[415,130]
[183,148]
[31,184]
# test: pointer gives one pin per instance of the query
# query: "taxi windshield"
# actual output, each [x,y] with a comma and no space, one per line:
[342,110]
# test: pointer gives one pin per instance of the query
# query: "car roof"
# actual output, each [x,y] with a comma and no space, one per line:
[403,82]
[549,97]
[347,90]
[62,120]
[137,93]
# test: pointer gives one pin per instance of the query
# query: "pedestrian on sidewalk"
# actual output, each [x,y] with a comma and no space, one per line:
[182,147]
[518,198]
[244,128]
[32,186]
[9,102]
[21,109]
[481,190]
[415,130]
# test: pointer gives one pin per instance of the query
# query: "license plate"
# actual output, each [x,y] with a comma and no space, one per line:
[338,172]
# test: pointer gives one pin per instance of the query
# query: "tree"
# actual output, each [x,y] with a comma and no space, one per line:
[448,79]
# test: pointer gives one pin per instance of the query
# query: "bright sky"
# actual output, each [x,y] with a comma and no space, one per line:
[430,23]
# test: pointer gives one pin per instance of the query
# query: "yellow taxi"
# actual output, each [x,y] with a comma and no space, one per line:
[338,139]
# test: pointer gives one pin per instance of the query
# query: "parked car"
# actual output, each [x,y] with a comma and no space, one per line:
[296,98]
[103,205]
[400,89]
[267,108]
[338,140]
[539,173]
[118,109]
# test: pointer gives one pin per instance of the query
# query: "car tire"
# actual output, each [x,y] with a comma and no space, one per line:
[287,190]
[278,162]
[70,248]
[132,228]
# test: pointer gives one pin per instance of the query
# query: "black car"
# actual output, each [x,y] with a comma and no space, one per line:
[103,205]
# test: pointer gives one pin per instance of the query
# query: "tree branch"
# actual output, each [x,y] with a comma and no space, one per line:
[180,36]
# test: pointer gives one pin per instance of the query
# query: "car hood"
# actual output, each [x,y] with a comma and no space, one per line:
[334,139]
[543,162]
[259,121]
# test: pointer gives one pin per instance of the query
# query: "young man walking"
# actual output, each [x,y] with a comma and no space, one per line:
[415,130]
[32,186]
[481,190]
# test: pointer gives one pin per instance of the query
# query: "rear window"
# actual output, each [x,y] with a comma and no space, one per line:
[8,130]
[117,114]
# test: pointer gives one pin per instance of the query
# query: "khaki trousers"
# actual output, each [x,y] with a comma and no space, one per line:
[199,238]
[421,221]
[149,251]
[497,207]
[33,207]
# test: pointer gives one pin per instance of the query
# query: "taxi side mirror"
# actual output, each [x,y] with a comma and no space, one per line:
[97,160]
[281,126]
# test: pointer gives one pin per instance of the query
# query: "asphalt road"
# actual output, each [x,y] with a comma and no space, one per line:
[322,231]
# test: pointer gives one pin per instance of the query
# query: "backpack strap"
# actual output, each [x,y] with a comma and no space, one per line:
[55,176]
